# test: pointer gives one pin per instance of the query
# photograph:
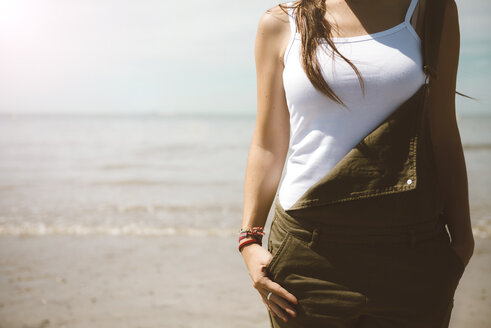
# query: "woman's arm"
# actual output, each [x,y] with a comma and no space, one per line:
[267,154]
[271,135]
[445,135]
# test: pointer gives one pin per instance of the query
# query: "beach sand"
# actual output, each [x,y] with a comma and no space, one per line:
[166,281]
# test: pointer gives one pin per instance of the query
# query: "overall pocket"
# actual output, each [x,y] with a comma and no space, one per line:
[277,244]
[316,277]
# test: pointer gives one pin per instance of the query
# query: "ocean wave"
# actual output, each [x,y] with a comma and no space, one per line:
[145,182]
[41,229]
[172,208]
[477,146]
[480,230]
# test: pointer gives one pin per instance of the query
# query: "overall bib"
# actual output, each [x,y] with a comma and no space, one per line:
[366,246]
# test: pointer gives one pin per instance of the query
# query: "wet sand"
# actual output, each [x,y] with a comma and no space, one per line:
[169,281]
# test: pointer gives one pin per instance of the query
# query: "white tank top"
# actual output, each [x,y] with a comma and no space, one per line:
[322,131]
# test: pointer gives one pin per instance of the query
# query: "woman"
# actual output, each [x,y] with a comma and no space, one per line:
[376,171]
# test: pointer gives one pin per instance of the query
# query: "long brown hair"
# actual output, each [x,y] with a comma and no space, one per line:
[314,30]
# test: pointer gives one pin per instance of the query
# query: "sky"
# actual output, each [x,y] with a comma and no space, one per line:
[165,57]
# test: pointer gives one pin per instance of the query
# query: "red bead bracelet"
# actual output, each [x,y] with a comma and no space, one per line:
[255,232]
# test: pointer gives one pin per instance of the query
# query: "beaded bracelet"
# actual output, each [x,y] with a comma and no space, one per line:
[246,242]
[255,232]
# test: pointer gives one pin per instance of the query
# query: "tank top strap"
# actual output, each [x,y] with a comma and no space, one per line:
[291,17]
[293,30]
[410,11]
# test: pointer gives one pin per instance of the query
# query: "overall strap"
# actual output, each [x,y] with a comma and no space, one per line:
[434,12]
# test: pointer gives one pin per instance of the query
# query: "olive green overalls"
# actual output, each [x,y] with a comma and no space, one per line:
[366,246]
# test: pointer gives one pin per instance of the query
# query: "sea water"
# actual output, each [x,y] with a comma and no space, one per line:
[154,175]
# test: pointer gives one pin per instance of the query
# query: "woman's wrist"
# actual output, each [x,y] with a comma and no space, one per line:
[253,235]
[243,246]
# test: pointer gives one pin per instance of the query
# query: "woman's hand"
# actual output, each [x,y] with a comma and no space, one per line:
[257,258]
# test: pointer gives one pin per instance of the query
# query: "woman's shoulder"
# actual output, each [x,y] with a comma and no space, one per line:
[274,31]
[274,21]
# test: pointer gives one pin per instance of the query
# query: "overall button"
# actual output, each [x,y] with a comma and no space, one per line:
[409,181]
